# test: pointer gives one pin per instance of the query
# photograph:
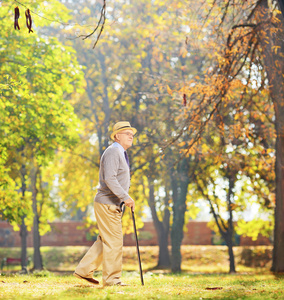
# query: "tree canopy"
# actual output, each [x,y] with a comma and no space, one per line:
[198,80]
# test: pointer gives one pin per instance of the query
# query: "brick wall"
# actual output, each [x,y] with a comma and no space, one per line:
[69,234]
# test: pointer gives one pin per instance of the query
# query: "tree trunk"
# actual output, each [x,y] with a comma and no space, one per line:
[273,48]
[281,5]
[278,250]
[23,228]
[23,234]
[230,232]
[106,106]
[36,236]
[162,229]
[180,187]
[90,87]
[231,254]
[164,261]
[226,231]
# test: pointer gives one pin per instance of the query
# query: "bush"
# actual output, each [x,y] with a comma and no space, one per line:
[256,257]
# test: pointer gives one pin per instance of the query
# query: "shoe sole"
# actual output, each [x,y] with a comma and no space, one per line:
[78,276]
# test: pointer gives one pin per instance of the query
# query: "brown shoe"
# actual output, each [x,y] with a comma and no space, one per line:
[90,280]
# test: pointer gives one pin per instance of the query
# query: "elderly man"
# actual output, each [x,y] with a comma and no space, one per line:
[114,183]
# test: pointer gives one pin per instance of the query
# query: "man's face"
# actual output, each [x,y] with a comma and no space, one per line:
[125,138]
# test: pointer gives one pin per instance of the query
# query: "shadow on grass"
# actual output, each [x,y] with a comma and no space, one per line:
[158,270]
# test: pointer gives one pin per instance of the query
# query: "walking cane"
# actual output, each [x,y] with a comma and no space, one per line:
[122,208]
[137,247]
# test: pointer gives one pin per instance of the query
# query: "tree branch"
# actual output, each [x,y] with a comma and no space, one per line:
[100,23]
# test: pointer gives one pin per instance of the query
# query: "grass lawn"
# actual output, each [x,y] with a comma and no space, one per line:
[157,286]
[204,277]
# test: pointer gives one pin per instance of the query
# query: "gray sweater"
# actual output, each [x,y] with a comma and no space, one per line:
[114,177]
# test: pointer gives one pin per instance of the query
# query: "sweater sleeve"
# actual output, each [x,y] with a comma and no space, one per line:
[111,165]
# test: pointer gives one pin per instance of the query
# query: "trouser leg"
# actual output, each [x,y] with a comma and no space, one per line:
[109,223]
[91,261]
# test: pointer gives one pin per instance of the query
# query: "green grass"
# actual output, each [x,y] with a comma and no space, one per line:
[204,276]
[157,286]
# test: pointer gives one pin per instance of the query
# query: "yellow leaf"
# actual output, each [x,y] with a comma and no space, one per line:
[169,90]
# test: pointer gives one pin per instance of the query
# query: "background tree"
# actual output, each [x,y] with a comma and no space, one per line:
[239,175]
[35,112]
[242,49]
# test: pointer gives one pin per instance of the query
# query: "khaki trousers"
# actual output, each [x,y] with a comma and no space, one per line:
[108,247]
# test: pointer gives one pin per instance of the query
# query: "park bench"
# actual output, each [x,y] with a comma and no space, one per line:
[6,261]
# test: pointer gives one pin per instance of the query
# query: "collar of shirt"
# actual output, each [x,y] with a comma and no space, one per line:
[117,145]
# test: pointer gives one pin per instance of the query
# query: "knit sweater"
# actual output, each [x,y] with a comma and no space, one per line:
[114,177]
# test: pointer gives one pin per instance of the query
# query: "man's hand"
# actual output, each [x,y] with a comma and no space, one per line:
[130,203]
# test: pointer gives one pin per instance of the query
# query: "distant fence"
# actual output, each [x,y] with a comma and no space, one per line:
[70,234]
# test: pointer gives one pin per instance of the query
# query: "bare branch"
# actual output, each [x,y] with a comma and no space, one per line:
[100,23]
